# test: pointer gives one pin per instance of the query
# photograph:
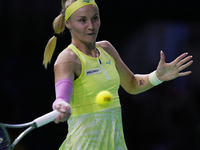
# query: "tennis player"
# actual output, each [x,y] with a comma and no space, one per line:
[87,67]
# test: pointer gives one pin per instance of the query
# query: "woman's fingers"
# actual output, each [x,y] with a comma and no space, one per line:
[180,57]
[65,113]
[183,61]
[184,73]
[162,57]
[182,67]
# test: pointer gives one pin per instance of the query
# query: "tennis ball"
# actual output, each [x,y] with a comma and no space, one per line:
[104,98]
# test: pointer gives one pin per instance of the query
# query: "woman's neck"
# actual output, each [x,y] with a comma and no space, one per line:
[87,48]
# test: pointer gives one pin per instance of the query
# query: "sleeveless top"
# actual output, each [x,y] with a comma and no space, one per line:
[97,74]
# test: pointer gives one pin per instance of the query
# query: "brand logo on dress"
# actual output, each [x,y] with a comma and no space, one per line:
[92,71]
[87,1]
[109,62]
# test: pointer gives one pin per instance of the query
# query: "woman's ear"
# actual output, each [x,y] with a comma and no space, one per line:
[67,24]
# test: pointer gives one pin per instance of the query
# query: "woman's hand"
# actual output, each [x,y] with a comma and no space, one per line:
[65,112]
[168,71]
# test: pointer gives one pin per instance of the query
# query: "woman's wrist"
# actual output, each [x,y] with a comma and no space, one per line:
[62,103]
[154,79]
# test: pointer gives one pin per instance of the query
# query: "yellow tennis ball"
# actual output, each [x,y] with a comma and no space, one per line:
[104,98]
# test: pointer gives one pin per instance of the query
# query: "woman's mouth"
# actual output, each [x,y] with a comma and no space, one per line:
[90,34]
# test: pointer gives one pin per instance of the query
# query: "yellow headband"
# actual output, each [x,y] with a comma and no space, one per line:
[76,5]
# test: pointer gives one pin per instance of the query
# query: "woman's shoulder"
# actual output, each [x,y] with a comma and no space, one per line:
[67,55]
[109,48]
[106,45]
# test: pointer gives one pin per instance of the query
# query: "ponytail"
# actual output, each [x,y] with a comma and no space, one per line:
[58,26]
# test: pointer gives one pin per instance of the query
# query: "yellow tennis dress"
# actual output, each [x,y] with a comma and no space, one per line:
[90,126]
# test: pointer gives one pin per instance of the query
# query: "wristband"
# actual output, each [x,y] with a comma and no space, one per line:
[153,79]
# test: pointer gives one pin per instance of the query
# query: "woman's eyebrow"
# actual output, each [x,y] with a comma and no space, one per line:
[81,16]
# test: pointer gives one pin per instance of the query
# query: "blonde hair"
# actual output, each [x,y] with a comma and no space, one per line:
[58,26]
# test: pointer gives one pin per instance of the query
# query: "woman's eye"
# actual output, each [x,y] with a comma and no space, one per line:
[82,20]
[96,18]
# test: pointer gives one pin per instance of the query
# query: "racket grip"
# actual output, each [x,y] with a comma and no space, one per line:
[45,119]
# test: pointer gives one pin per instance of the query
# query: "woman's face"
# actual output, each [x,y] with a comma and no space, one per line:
[84,24]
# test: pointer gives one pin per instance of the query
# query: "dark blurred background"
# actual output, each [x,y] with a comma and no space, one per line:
[166,117]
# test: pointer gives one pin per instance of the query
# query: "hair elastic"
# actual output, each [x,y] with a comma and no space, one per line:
[55,34]
[76,5]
